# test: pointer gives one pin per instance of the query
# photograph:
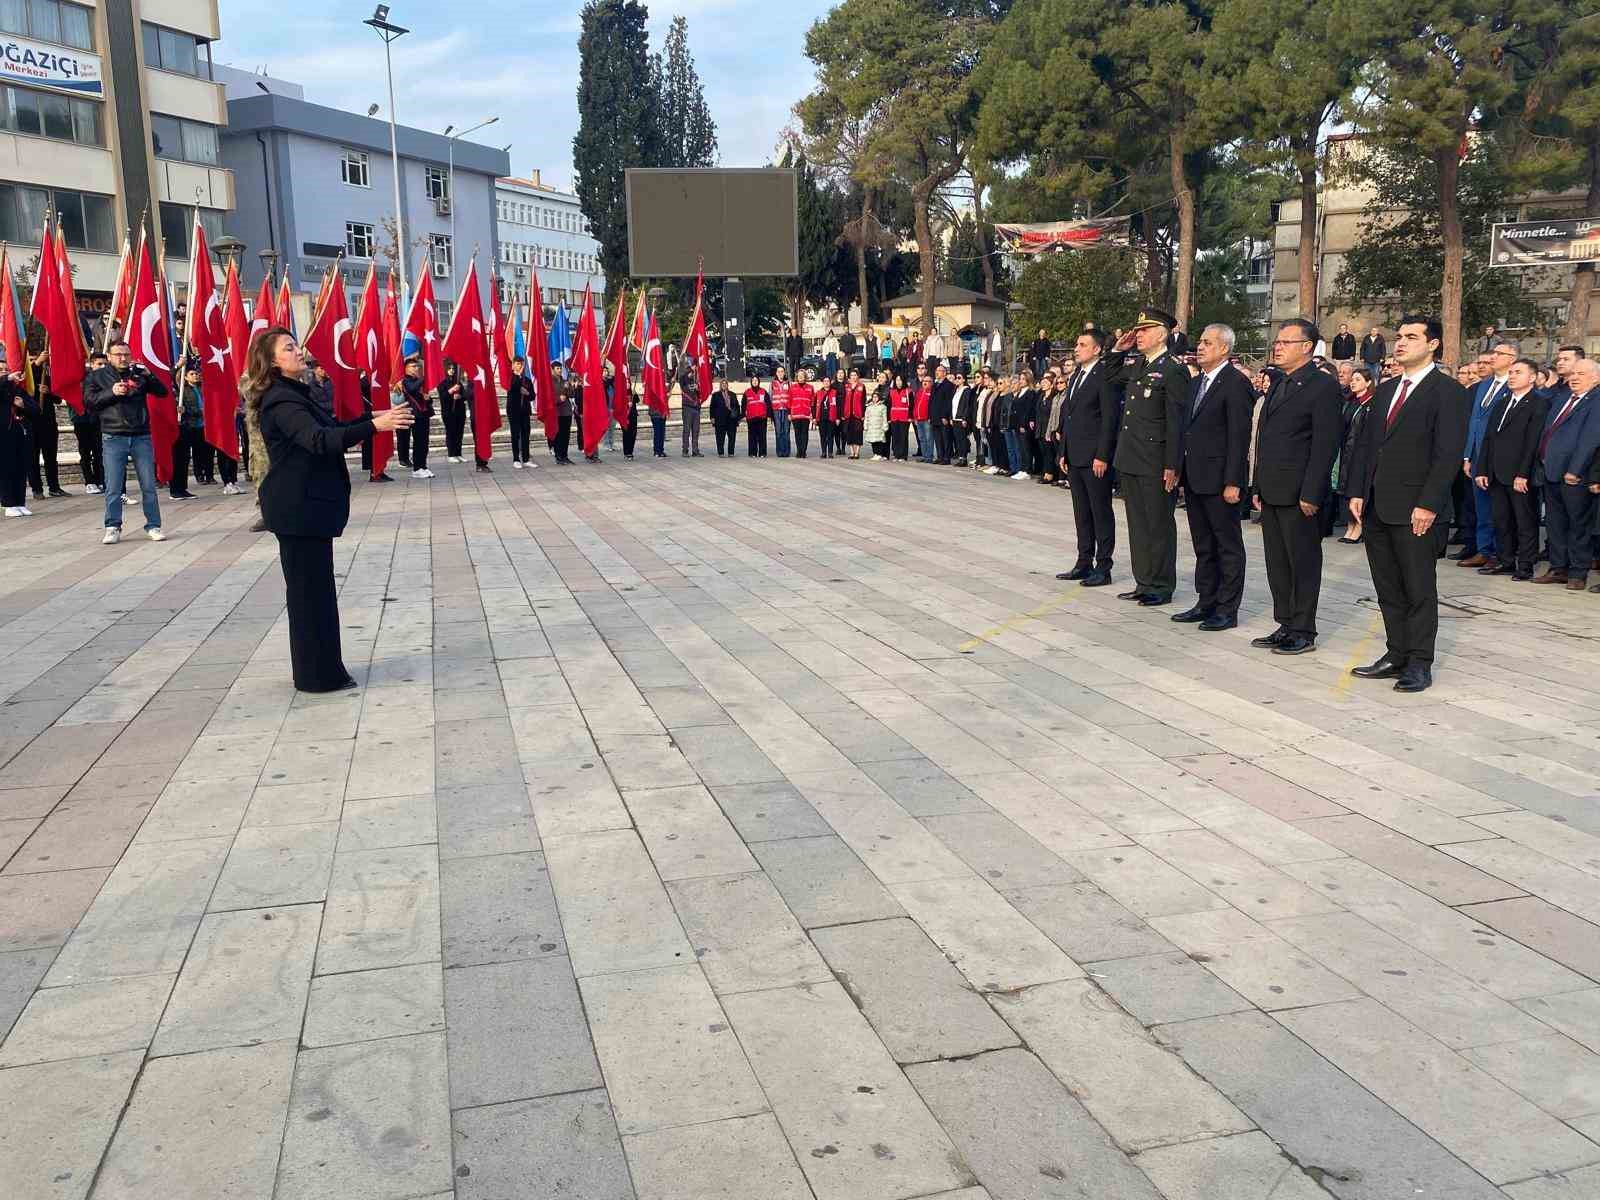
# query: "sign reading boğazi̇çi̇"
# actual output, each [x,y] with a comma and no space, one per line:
[22,61]
[1544,243]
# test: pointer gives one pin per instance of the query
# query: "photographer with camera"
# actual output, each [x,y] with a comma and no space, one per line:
[119,394]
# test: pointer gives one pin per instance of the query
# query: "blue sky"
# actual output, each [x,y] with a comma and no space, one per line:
[464,62]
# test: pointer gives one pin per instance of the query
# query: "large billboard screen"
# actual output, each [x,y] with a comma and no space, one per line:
[730,221]
[1544,243]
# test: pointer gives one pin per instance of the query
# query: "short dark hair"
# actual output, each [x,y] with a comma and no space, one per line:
[1431,328]
[1097,336]
[115,342]
[1578,350]
[1306,326]
[1529,363]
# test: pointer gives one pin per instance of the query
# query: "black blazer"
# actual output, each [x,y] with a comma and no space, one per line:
[1508,453]
[519,395]
[1414,463]
[1344,346]
[1297,438]
[1089,416]
[1216,439]
[306,491]
[939,408]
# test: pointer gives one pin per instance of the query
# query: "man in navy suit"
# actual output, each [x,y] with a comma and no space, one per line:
[1484,398]
[1404,465]
[1566,454]
[1215,470]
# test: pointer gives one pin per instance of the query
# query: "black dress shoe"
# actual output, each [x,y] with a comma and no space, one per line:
[1149,601]
[1075,573]
[1499,569]
[1192,616]
[1217,624]
[1270,641]
[1384,668]
[1464,552]
[58,493]
[1095,579]
[1136,594]
[1295,644]
[1417,678]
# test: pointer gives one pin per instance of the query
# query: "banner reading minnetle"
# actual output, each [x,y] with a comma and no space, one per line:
[1544,243]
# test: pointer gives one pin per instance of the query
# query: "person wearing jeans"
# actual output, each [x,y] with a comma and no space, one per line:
[120,395]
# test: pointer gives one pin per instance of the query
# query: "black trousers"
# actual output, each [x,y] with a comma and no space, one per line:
[204,457]
[521,421]
[827,434]
[958,441]
[228,468]
[1152,533]
[1569,514]
[563,436]
[419,441]
[1293,545]
[366,455]
[1405,576]
[185,453]
[630,432]
[1516,525]
[802,435]
[1465,509]
[1218,534]
[313,612]
[89,461]
[725,437]
[1092,513]
[15,450]
[941,442]
[402,446]
[46,439]
[455,425]
[756,438]
[898,438]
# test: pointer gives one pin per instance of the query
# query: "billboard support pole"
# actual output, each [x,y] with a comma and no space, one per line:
[733,327]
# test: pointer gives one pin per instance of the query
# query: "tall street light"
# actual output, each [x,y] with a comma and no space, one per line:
[451,188]
[379,20]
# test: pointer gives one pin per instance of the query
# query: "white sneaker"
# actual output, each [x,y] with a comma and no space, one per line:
[515,465]
[13,511]
[155,535]
[112,537]
[529,465]
[454,458]
[230,489]
[89,489]
[1020,475]
[24,511]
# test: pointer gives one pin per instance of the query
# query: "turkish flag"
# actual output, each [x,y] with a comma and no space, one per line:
[236,323]
[696,347]
[391,354]
[639,333]
[68,362]
[499,333]
[265,313]
[285,308]
[544,383]
[588,363]
[150,341]
[467,343]
[122,289]
[369,333]
[207,330]
[655,375]
[331,343]
[422,325]
[617,355]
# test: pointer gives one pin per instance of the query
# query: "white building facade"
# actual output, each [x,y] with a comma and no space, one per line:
[542,228]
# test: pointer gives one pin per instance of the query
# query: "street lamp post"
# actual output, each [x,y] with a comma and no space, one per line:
[389,32]
[451,188]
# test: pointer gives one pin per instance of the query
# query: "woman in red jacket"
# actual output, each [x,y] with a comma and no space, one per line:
[802,403]
[899,417]
[757,403]
[855,411]
[830,411]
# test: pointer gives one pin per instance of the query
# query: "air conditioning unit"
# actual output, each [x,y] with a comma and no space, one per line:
[441,205]
[441,270]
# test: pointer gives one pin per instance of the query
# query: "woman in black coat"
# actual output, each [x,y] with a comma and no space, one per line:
[305,498]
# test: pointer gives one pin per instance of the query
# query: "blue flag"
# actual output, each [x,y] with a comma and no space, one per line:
[560,335]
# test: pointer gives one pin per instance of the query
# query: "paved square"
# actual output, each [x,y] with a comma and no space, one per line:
[777,830]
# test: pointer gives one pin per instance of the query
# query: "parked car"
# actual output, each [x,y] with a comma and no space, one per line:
[762,364]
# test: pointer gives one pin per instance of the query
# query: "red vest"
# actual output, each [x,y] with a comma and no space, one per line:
[830,404]
[919,411]
[755,403]
[780,395]
[899,404]
[855,403]
[801,398]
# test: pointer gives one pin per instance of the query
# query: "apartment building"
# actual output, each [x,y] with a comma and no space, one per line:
[543,227]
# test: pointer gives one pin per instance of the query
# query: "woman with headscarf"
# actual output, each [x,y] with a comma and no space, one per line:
[830,409]
[851,429]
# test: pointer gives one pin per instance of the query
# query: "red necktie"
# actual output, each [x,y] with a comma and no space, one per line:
[1561,417]
[1400,402]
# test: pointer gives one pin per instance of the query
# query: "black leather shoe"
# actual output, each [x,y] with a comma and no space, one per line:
[1148,601]
[1136,594]
[1464,552]
[1095,579]
[1295,644]
[1500,569]
[1075,573]
[1193,616]
[1271,640]
[1417,678]
[1216,624]
[1384,668]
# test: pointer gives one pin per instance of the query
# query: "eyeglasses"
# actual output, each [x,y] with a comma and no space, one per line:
[1291,341]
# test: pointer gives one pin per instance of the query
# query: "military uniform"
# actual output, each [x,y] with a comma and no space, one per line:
[1156,394]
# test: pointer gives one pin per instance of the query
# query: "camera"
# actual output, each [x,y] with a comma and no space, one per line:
[138,370]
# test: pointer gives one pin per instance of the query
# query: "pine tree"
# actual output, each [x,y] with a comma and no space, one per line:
[689,135]
[618,122]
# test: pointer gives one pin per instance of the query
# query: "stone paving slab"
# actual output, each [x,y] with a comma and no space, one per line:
[640,780]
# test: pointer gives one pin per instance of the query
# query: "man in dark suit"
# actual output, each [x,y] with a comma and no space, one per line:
[1504,470]
[1216,450]
[1297,439]
[1405,462]
[1089,431]
[1344,345]
[1566,449]
[1149,452]
[940,410]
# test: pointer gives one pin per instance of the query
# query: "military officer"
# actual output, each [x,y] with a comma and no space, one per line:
[1150,451]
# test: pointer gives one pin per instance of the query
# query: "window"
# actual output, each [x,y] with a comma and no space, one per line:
[353,168]
[177,220]
[358,239]
[186,141]
[48,21]
[437,182]
[86,219]
[44,114]
[171,50]
[440,254]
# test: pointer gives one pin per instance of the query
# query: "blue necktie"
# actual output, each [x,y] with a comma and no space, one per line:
[1199,395]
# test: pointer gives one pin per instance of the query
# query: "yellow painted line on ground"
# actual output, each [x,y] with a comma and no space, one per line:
[1018,621]
[1358,655]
